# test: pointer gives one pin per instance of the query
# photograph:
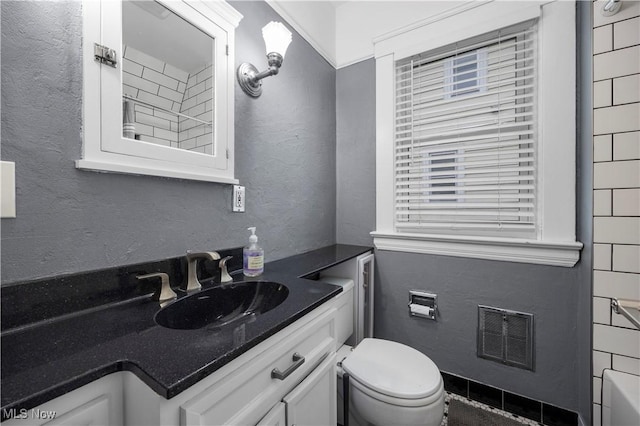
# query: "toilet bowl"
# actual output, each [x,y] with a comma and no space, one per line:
[389,383]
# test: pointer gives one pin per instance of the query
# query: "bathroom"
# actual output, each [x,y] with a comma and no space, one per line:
[305,152]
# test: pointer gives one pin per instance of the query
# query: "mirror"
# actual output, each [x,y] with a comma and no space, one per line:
[167,79]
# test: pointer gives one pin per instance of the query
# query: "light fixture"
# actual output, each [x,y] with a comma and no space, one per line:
[276,39]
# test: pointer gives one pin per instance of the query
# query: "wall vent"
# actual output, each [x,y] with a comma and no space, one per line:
[505,336]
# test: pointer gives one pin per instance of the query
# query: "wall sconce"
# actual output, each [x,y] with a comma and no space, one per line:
[276,39]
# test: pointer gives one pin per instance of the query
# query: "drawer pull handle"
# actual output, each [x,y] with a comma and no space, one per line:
[298,360]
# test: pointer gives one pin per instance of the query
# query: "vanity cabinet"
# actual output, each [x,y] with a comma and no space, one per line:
[243,392]
[99,403]
[247,392]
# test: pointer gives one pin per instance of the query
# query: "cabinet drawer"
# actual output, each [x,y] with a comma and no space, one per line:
[246,395]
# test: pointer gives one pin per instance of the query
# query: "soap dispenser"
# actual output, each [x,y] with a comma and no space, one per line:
[253,256]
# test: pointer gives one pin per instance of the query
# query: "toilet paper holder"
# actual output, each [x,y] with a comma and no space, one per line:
[423,304]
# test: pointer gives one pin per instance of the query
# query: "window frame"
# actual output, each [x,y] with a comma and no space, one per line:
[104,149]
[555,240]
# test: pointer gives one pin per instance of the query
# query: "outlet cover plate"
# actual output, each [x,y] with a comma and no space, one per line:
[238,198]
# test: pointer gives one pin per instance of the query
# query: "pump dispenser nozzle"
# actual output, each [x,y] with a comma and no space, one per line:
[253,238]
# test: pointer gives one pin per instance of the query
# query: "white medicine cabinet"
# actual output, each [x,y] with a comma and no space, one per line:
[158,88]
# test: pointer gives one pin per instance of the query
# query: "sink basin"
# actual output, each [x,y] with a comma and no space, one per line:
[220,306]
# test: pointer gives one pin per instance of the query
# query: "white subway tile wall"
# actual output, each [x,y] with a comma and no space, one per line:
[626,364]
[602,257]
[602,147]
[602,93]
[626,89]
[198,103]
[170,90]
[601,361]
[626,146]
[616,284]
[616,174]
[626,202]
[616,195]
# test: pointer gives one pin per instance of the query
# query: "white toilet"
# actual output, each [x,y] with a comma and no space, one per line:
[390,383]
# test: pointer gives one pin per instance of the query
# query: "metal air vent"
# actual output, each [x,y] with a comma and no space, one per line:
[505,336]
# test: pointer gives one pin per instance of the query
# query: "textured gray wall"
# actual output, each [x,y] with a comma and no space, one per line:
[558,297]
[550,293]
[356,159]
[71,220]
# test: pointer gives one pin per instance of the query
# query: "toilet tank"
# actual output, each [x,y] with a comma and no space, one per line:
[620,398]
[346,314]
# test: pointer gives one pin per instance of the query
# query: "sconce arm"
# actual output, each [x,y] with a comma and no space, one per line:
[249,77]
[266,73]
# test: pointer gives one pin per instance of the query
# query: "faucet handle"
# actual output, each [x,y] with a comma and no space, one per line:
[165,293]
[224,274]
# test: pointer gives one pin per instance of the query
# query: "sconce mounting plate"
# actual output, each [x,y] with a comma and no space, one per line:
[247,79]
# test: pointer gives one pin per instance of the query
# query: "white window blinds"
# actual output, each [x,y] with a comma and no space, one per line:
[465,136]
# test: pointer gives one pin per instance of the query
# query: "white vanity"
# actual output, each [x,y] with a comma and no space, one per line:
[288,378]
[242,392]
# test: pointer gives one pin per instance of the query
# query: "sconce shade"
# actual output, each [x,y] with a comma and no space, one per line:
[276,38]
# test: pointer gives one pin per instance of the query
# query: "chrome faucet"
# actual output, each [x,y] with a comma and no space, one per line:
[165,293]
[192,268]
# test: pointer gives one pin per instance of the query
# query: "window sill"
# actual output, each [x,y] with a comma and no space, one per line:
[555,253]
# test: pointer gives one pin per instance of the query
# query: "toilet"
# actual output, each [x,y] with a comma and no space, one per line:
[389,383]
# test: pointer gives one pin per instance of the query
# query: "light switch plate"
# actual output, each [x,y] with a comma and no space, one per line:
[238,198]
[7,189]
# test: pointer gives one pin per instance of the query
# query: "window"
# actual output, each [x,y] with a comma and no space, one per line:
[165,107]
[469,106]
[476,135]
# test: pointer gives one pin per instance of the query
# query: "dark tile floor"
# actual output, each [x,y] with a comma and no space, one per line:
[526,410]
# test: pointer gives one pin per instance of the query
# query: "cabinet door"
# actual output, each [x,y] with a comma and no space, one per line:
[313,402]
[275,417]
[98,403]
[93,413]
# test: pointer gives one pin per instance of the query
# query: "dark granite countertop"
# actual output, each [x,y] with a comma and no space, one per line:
[56,355]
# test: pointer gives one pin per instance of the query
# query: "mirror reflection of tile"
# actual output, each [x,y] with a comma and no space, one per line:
[160,98]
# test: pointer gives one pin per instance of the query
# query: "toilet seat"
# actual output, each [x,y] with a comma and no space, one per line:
[394,373]
[399,402]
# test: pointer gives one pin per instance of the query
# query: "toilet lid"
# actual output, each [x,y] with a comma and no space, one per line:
[393,369]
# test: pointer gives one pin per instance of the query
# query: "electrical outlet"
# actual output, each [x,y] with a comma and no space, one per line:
[238,198]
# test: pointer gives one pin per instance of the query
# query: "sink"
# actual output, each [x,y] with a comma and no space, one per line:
[219,306]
